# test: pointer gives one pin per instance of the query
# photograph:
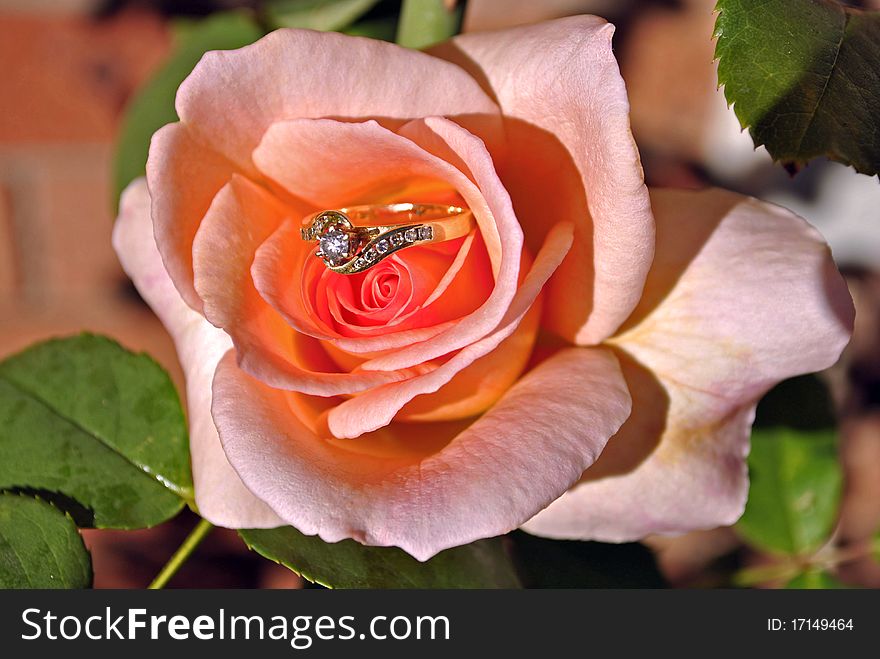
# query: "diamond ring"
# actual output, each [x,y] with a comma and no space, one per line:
[352,240]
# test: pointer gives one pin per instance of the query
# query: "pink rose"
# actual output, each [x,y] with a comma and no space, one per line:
[562,368]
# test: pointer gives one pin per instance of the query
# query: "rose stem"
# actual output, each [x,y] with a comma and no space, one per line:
[199,533]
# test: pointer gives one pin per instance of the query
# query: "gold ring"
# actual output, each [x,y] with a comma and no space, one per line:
[352,240]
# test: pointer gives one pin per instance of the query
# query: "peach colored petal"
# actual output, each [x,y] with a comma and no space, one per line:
[742,294]
[377,161]
[183,177]
[241,217]
[475,388]
[220,495]
[293,74]
[277,272]
[514,460]
[281,261]
[438,135]
[376,157]
[559,82]
[377,407]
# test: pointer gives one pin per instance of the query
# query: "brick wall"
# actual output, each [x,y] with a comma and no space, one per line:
[64,81]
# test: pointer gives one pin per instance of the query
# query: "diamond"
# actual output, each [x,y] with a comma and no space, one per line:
[334,246]
[370,254]
[411,235]
[383,246]
[396,239]
[426,233]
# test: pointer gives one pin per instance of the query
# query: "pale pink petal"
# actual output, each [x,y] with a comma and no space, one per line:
[513,461]
[183,177]
[221,497]
[742,295]
[376,158]
[241,217]
[377,407]
[558,82]
[232,97]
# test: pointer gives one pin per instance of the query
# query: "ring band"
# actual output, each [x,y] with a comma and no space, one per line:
[348,248]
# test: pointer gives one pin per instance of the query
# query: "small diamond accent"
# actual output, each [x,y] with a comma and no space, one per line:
[426,233]
[411,235]
[334,245]
[383,246]
[396,239]
[370,255]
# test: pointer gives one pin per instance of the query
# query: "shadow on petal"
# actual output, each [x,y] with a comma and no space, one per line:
[640,434]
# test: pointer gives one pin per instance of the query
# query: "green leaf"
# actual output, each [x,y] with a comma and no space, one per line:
[323,15]
[795,490]
[803,78]
[545,563]
[40,546]
[95,428]
[153,106]
[794,470]
[384,29]
[815,579]
[424,23]
[348,564]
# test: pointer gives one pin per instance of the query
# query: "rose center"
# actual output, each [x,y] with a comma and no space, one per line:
[380,288]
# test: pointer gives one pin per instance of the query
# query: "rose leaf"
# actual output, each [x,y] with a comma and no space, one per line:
[95,429]
[795,490]
[802,76]
[322,15]
[424,23]
[153,106]
[794,470]
[40,546]
[383,29]
[815,579]
[348,564]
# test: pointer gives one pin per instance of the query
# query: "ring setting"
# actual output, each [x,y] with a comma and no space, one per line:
[381,230]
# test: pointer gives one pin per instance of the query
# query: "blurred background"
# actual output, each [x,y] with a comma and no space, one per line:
[69,69]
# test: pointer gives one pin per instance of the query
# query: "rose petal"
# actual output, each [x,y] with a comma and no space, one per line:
[477,387]
[238,221]
[376,159]
[220,495]
[375,156]
[452,143]
[514,460]
[293,74]
[277,271]
[183,176]
[742,295]
[559,81]
[377,407]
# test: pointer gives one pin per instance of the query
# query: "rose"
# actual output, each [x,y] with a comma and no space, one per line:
[480,381]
